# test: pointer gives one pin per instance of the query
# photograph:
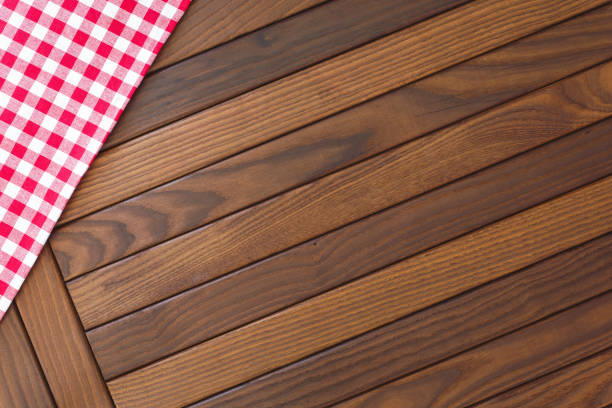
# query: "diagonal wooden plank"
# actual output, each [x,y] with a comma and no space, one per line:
[264,56]
[370,302]
[343,197]
[353,251]
[58,338]
[22,383]
[331,144]
[587,383]
[432,335]
[501,364]
[208,23]
[312,94]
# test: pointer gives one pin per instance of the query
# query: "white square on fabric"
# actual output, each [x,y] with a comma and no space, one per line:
[14,76]
[9,247]
[50,66]
[37,89]
[62,43]
[134,22]
[51,8]
[36,145]
[48,123]
[39,31]
[121,44]
[86,55]
[24,167]
[16,282]
[15,19]
[110,9]
[46,180]
[21,224]
[75,21]
[61,100]
[34,202]
[11,190]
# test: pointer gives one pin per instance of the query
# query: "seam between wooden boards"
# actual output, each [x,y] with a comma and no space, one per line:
[572,360]
[93,248]
[194,297]
[473,124]
[58,327]
[544,377]
[262,78]
[373,344]
[208,153]
[31,346]
[576,232]
[154,68]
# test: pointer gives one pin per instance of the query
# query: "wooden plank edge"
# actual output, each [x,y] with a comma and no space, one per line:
[59,339]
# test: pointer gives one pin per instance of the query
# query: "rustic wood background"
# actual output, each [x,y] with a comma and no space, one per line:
[351,203]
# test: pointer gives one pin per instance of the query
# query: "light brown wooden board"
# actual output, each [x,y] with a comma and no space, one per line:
[22,383]
[208,23]
[370,302]
[343,197]
[502,363]
[587,383]
[310,95]
[431,335]
[264,56]
[336,258]
[331,144]
[58,338]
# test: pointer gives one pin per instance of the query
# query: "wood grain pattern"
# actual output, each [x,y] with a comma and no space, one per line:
[331,144]
[58,338]
[587,383]
[310,95]
[353,251]
[264,56]
[208,23]
[370,302]
[342,197]
[432,335]
[22,383]
[501,364]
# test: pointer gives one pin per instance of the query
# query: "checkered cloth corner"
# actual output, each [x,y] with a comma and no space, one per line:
[67,71]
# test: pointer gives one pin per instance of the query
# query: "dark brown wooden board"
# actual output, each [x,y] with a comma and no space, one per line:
[353,251]
[372,301]
[310,95]
[432,335]
[268,54]
[502,363]
[208,23]
[329,145]
[58,339]
[22,383]
[343,197]
[587,383]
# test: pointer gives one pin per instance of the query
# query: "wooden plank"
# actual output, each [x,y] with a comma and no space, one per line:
[58,338]
[501,364]
[587,383]
[343,197]
[22,383]
[432,335]
[269,54]
[310,95]
[370,302]
[208,23]
[336,142]
[353,251]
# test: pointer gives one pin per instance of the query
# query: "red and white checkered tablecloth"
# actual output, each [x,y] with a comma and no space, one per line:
[67,71]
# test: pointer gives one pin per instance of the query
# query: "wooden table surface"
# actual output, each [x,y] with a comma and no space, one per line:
[348,203]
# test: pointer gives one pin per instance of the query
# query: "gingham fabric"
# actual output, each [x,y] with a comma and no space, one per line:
[67,70]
